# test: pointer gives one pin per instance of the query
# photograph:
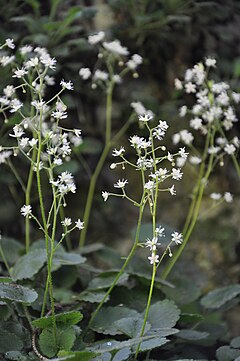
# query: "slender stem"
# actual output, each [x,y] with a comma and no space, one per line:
[141,209]
[5,260]
[194,218]
[28,199]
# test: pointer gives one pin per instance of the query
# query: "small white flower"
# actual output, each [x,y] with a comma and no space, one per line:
[177,237]
[195,160]
[229,149]
[145,118]
[85,73]
[178,84]
[66,222]
[159,232]
[67,84]
[120,183]
[170,157]
[96,38]
[176,174]
[228,197]
[26,49]
[215,196]
[190,88]
[115,47]
[172,190]
[33,142]
[150,185]
[100,75]
[79,224]
[183,154]
[19,73]
[77,132]
[23,142]
[48,61]
[26,210]
[154,258]
[105,196]
[10,43]
[9,91]
[118,153]
[210,62]
[18,132]
[57,161]
[183,111]
[4,155]
[15,105]
[6,60]
[152,243]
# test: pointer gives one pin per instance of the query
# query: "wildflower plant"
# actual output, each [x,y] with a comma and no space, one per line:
[113,63]
[156,167]
[212,116]
[41,138]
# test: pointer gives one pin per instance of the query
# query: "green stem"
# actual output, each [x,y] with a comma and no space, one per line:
[28,200]
[188,232]
[5,260]
[134,247]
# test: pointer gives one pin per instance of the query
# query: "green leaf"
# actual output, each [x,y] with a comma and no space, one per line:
[9,341]
[67,259]
[184,292]
[16,293]
[131,326]
[63,320]
[106,318]
[191,317]
[235,343]
[192,335]
[226,353]
[153,343]
[92,297]
[163,314]
[65,340]
[28,265]
[11,249]
[15,356]
[220,296]
[105,280]
[122,354]
[77,355]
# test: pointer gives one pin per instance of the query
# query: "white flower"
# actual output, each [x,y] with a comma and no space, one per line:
[85,73]
[48,61]
[196,123]
[195,160]
[59,115]
[136,141]
[178,84]
[176,138]
[117,79]
[4,155]
[154,258]
[23,142]
[49,80]
[236,97]
[66,222]
[186,136]
[38,104]
[170,157]
[67,84]
[183,154]
[150,185]
[18,132]
[26,210]
[152,243]
[57,161]
[120,183]
[15,105]
[172,190]
[96,38]
[215,196]
[190,88]
[228,197]
[33,142]
[176,174]
[213,149]
[79,224]
[159,232]
[145,118]
[26,49]
[66,177]
[183,111]
[138,107]
[117,153]
[5,60]
[9,91]
[177,237]
[105,196]
[19,73]
[229,149]
[77,132]
[10,43]
[100,75]
[115,47]
[210,62]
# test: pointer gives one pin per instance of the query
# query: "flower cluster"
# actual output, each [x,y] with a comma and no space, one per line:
[114,60]
[214,109]
[227,197]
[152,244]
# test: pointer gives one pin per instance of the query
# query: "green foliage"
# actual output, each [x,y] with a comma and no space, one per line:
[28,265]
[64,340]
[219,297]
[65,319]
[17,293]
[163,314]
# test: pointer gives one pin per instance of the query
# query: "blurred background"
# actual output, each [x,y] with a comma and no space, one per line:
[170,35]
